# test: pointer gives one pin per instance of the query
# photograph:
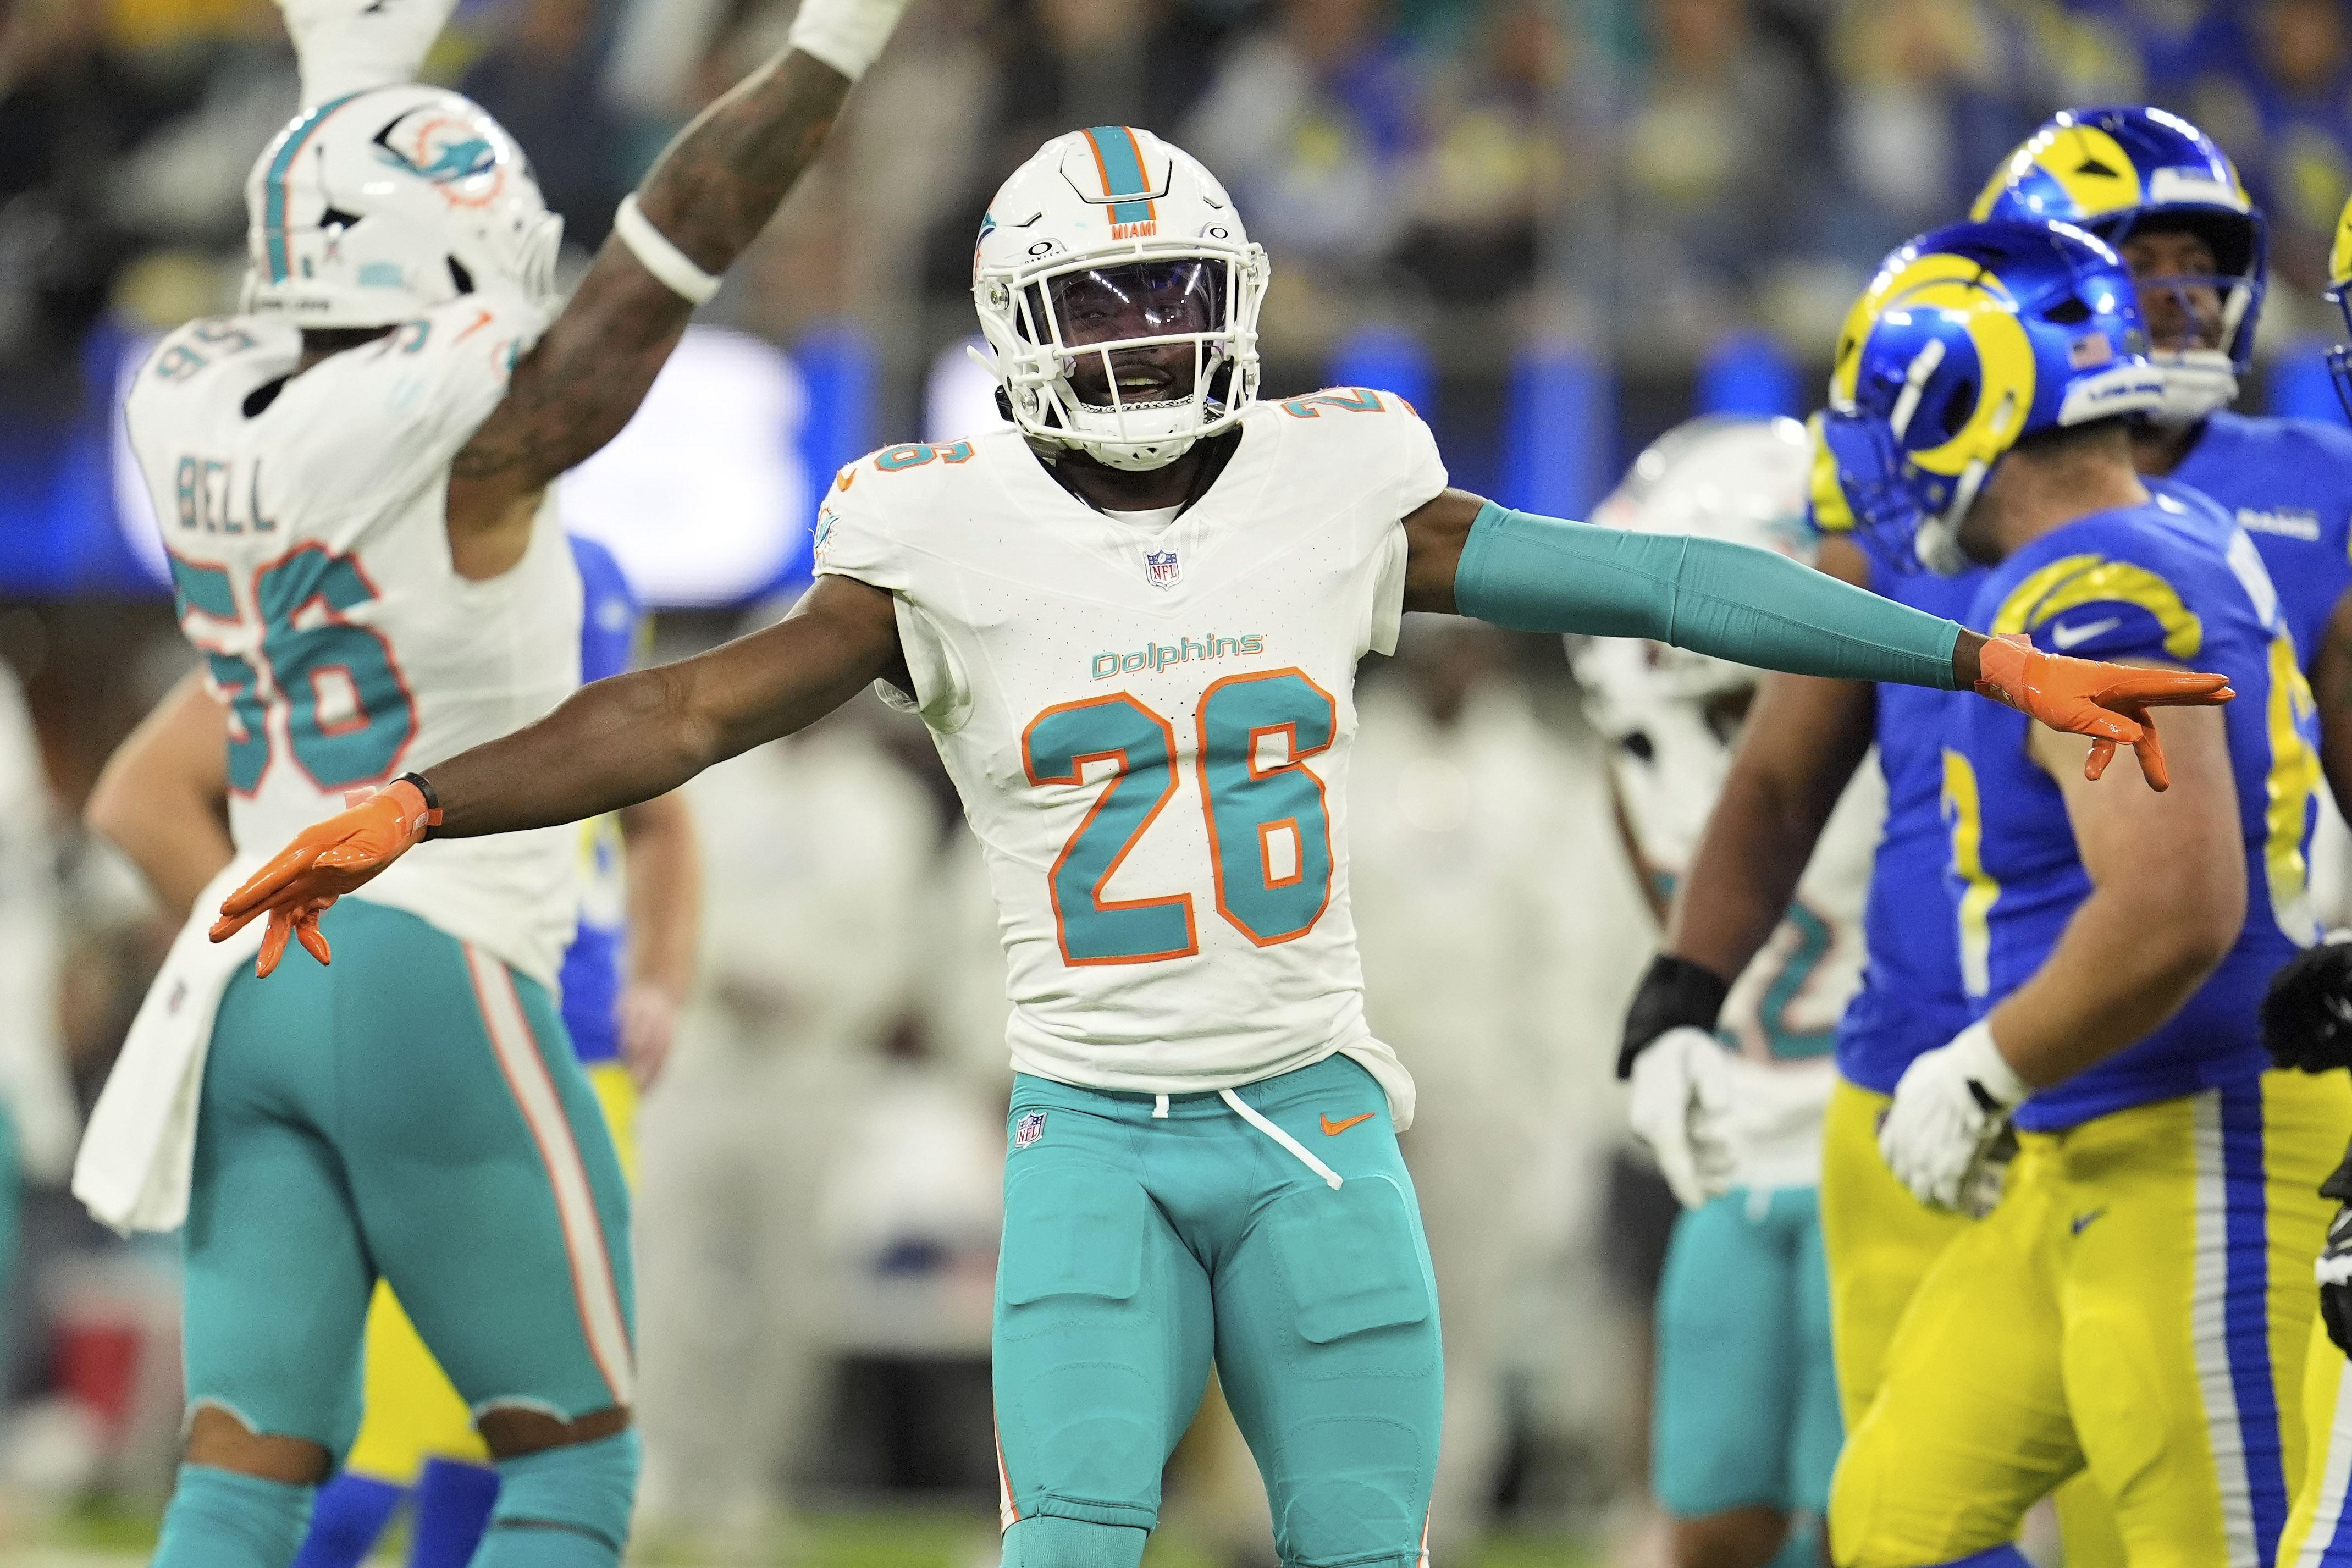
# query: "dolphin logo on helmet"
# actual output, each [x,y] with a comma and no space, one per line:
[2115,170]
[371,208]
[1114,260]
[1967,340]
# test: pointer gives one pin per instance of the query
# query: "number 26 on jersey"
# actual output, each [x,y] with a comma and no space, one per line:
[1269,826]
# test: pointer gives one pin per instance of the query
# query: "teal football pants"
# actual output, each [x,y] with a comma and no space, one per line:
[1141,1241]
[1746,1399]
[412,1110]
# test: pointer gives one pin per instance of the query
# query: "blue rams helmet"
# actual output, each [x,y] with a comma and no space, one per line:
[2120,170]
[1969,338]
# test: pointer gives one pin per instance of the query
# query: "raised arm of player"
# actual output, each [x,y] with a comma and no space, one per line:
[1538,573]
[161,797]
[707,197]
[609,745]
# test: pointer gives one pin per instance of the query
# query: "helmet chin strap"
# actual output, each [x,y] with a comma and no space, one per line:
[1937,542]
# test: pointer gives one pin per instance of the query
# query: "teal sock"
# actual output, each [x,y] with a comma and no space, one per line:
[563,1508]
[221,1518]
[1047,1541]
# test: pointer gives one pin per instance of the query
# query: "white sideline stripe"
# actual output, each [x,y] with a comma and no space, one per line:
[1007,1515]
[575,1201]
[2335,1477]
[2209,1331]
[1330,1177]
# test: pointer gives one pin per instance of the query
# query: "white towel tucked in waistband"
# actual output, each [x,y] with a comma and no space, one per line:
[137,1156]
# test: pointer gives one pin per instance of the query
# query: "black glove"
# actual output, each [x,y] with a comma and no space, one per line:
[1675,993]
[2307,1012]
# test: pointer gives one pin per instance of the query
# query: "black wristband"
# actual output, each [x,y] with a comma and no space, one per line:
[1675,993]
[432,801]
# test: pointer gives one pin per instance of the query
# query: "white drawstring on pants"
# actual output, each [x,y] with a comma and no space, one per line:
[1330,1176]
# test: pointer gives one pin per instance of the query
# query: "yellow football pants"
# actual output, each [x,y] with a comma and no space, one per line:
[2137,1306]
[1881,1241]
[412,1412]
[2318,1532]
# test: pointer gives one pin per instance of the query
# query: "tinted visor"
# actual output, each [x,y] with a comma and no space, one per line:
[1140,300]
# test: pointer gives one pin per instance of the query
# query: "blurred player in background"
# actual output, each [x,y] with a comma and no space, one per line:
[1155,586]
[817,916]
[621,993]
[354,476]
[2170,202]
[1474,829]
[38,1120]
[624,977]
[1745,1430]
[2115,1311]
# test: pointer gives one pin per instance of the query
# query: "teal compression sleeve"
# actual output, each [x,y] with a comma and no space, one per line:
[1748,606]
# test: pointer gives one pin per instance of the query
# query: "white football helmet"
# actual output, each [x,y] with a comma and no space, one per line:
[1740,480]
[376,207]
[1109,239]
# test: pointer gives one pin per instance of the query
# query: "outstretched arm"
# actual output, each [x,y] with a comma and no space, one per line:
[641,734]
[1539,573]
[609,746]
[706,198]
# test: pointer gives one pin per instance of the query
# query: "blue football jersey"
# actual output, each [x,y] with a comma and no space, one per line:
[2175,581]
[591,966]
[2288,483]
[1911,1000]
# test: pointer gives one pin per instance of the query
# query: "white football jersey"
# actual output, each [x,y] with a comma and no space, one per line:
[1150,724]
[1781,1015]
[307,525]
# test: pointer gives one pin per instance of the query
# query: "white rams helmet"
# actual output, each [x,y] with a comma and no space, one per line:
[373,207]
[1740,480]
[1110,239]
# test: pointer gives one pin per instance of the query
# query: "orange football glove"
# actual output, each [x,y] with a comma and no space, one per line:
[2108,702]
[325,861]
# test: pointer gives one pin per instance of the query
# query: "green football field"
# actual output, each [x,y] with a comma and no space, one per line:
[865,1538]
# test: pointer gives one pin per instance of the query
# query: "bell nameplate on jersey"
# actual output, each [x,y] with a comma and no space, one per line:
[1161,569]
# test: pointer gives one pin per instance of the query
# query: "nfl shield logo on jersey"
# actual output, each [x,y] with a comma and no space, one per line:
[1160,567]
[1028,1129]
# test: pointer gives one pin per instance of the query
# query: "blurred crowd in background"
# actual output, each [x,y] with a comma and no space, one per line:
[1558,226]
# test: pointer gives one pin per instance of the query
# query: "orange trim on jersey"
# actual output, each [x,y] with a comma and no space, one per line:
[1297,761]
[360,718]
[1078,776]
[391,663]
[1266,830]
